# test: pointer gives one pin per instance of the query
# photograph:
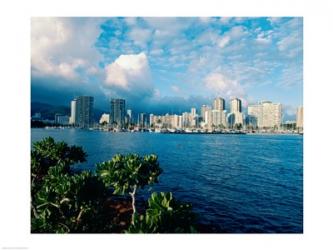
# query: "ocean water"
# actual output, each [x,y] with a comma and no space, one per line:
[237,183]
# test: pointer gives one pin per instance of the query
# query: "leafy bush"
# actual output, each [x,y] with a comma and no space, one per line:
[68,203]
[125,174]
[62,201]
[164,215]
[48,153]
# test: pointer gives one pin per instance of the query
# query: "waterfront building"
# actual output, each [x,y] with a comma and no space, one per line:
[151,120]
[266,114]
[255,114]
[193,112]
[84,108]
[61,119]
[235,105]
[204,108]
[238,118]
[186,119]
[73,112]
[208,118]
[219,103]
[117,114]
[219,118]
[216,118]
[129,116]
[105,118]
[299,118]
[143,121]
[176,122]
[231,119]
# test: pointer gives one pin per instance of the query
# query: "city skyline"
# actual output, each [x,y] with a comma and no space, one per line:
[167,64]
[264,114]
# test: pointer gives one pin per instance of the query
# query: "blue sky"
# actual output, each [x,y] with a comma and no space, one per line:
[168,64]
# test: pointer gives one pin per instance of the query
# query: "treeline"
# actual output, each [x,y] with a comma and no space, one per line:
[64,201]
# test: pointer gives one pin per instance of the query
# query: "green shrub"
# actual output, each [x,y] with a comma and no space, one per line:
[164,215]
[60,200]
[125,174]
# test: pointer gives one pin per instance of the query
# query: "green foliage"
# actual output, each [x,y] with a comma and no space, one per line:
[164,215]
[62,201]
[123,173]
[68,203]
[48,153]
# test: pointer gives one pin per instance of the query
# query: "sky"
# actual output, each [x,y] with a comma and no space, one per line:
[167,64]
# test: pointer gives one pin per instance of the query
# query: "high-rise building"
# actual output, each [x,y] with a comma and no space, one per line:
[143,120]
[84,108]
[266,114]
[193,112]
[299,118]
[219,118]
[129,114]
[208,118]
[73,109]
[204,108]
[186,120]
[219,103]
[235,105]
[117,114]
[151,120]
[255,114]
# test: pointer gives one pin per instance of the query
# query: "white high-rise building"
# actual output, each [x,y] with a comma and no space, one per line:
[266,114]
[176,121]
[219,103]
[255,113]
[186,119]
[238,118]
[208,118]
[299,117]
[73,112]
[193,112]
[219,118]
[204,108]
[235,105]
[151,119]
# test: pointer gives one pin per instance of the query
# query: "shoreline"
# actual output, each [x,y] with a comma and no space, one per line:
[181,132]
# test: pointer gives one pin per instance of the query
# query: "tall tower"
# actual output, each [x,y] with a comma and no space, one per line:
[117,114]
[235,105]
[84,108]
[72,119]
[299,118]
[219,103]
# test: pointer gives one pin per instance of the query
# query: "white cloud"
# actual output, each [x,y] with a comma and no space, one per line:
[288,42]
[264,37]
[218,84]
[224,41]
[60,46]
[130,74]
[237,32]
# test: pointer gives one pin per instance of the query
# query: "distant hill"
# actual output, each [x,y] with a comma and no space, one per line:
[48,111]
